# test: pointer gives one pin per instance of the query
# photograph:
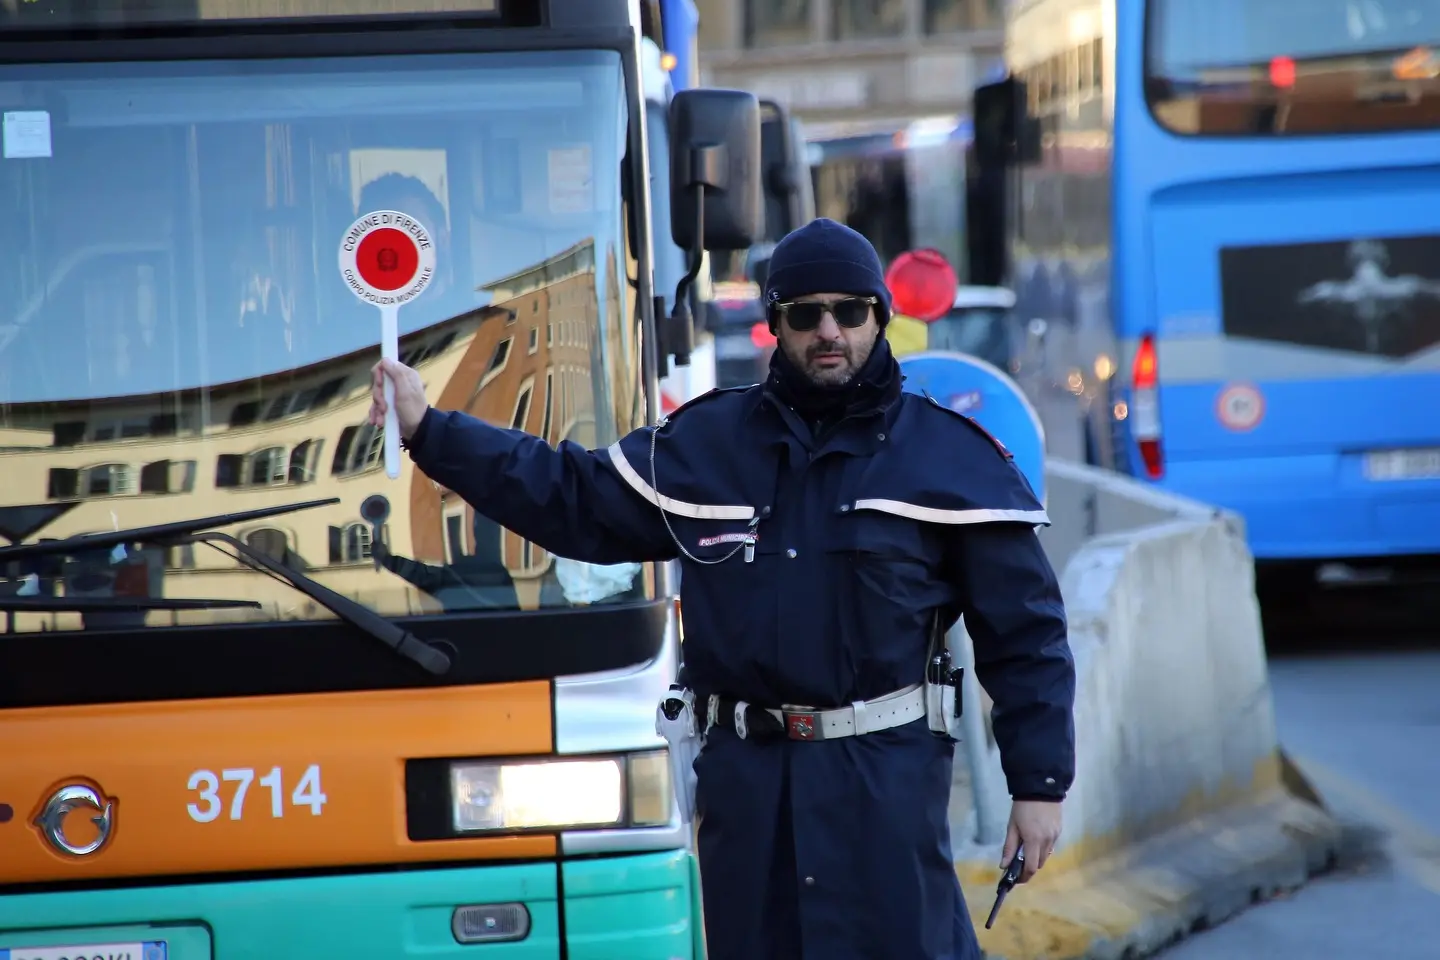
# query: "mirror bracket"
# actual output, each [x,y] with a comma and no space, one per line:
[708,167]
[716,197]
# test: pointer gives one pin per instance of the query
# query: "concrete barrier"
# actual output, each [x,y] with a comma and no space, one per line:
[1086,502]
[1184,809]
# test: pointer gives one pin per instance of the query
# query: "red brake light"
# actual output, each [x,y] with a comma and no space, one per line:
[761,336]
[1154,459]
[1282,72]
[1145,407]
[1146,374]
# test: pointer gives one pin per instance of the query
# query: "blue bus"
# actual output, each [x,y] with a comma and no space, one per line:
[680,28]
[1228,215]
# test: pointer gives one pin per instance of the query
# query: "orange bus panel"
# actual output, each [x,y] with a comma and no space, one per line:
[173,774]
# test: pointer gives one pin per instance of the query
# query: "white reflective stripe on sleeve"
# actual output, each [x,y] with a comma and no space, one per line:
[696,511]
[931,515]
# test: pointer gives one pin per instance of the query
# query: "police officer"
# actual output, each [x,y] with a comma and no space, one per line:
[830,528]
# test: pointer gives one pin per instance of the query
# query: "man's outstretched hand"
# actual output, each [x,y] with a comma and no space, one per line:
[1035,823]
[410,402]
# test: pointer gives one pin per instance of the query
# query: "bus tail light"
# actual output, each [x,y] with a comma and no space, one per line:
[1145,407]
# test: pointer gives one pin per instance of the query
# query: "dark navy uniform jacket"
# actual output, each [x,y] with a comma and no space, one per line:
[822,850]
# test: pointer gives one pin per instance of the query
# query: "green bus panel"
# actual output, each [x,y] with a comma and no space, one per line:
[616,908]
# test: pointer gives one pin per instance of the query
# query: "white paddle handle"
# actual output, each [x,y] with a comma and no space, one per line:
[390,350]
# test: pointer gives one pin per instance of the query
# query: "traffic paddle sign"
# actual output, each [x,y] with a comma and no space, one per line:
[387,259]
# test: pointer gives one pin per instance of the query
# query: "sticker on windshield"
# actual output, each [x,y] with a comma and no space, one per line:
[25,134]
[1240,407]
[572,187]
[387,259]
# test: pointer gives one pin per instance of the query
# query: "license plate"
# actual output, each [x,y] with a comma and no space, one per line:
[1419,464]
[734,348]
[149,950]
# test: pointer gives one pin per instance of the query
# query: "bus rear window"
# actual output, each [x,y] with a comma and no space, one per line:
[1277,67]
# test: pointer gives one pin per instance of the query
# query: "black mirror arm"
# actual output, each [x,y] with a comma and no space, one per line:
[709,167]
[376,542]
[680,319]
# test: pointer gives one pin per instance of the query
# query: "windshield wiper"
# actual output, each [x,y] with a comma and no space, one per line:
[156,533]
[108,604]
[357,615]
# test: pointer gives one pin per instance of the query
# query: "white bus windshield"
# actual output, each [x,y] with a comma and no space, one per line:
[176,338]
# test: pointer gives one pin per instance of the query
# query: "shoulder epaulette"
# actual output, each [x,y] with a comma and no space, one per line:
[973,424]
[707,395]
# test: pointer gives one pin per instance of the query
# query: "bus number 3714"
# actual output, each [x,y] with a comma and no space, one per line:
[208,786]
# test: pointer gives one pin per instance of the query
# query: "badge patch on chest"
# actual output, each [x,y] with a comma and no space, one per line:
[740,537]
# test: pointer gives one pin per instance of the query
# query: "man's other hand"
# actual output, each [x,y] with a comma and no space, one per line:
[1035,823]
[410,402]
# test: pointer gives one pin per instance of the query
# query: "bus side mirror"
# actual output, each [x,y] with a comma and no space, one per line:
[760,272]
[1005,133]
[716,200]
[1006,138]
[787,199]
[716,193]
[375,509]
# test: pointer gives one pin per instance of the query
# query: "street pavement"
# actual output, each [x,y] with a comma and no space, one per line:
[1366,730]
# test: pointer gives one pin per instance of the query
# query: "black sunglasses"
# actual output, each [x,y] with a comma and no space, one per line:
[805,315]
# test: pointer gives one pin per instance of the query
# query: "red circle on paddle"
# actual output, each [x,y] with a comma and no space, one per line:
[387,259]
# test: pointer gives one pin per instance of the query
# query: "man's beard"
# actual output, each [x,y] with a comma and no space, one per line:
[829,376]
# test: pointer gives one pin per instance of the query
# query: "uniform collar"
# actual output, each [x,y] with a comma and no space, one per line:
[859,419]
[873,387]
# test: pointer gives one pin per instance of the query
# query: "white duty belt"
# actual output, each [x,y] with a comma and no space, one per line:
[861,717]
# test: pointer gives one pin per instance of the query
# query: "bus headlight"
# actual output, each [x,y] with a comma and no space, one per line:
[581,793]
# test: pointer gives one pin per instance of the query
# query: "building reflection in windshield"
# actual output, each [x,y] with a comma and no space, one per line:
[532,360]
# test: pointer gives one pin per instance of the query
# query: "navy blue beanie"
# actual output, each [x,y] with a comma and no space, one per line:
[825,257]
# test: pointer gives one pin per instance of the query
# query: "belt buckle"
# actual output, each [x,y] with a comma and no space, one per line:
[802,725]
